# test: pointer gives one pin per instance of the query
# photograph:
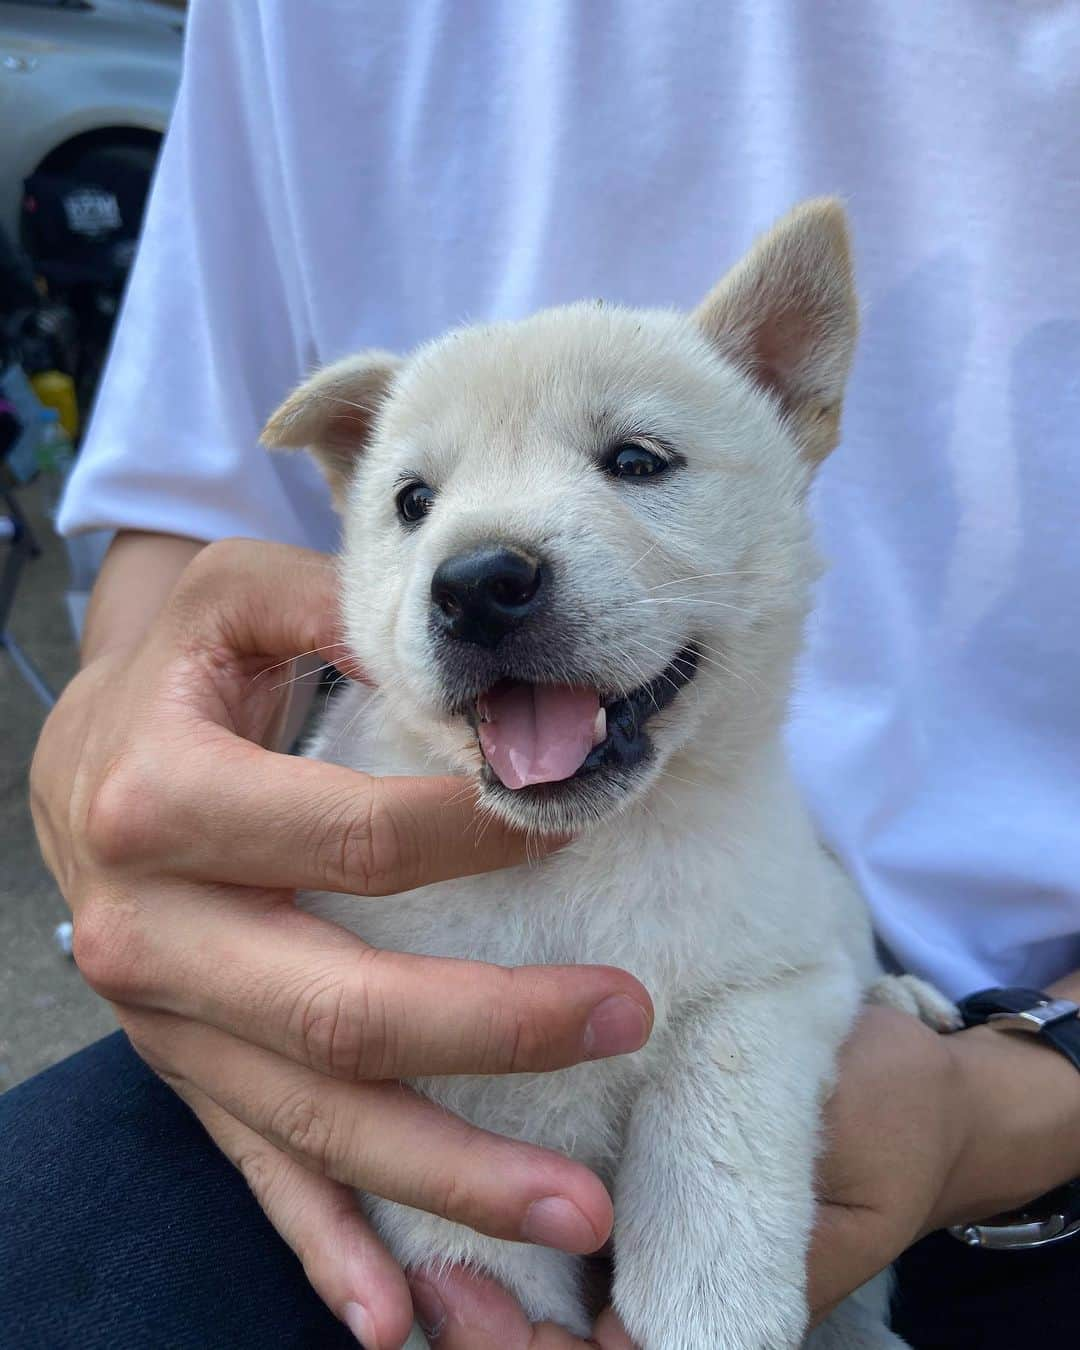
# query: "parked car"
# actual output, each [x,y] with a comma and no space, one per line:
[86,90]
[83,83]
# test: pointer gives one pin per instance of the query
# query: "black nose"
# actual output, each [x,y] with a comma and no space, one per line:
[482,595]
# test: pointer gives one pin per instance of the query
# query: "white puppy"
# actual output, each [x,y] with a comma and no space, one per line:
[577,566]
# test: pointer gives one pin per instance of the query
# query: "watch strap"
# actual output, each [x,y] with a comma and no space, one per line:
[1055,1021]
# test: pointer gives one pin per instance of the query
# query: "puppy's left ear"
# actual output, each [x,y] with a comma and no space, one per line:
[787,315]
[333,414]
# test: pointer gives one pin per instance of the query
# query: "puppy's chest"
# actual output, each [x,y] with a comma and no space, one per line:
[562,912]
[537,916]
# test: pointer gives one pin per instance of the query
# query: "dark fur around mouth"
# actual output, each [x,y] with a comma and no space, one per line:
[532,656]
[625,749]
[626,744]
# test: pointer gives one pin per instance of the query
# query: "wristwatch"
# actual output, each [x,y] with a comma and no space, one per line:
[1054,1216]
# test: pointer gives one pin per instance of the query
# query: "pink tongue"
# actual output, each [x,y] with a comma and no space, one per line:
[537,733]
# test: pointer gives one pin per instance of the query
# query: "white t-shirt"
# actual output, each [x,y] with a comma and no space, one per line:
[348,174]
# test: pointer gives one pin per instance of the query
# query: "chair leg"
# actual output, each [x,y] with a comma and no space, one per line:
[27,669]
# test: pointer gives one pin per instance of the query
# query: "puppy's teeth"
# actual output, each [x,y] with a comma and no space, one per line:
[599,730]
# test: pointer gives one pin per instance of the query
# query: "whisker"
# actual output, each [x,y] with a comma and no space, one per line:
[690,782]
[689,600]
[330,691]
[533,841]
[364,705]
[660,657]
[312,651]
[460,796]
[635,670]
[706,576]
[652,547]
[730,670]
[720,665]
[486,815]
[303,675]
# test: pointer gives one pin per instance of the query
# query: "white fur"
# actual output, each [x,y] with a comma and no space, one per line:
[704,876]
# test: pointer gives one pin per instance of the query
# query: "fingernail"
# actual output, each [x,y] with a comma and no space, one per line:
[617,1026]
[358,1320]
[428,1307]
[555,1222]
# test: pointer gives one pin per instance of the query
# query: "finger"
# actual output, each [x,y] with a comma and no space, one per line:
[238,813]
[610,1334]
[459,1310]
[386,1139]
[309,990]
[252,598]
[346,1264]
[240,613]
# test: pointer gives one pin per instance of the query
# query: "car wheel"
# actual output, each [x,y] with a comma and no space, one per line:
[125,170]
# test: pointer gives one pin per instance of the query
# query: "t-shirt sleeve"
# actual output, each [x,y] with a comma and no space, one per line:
[213,332]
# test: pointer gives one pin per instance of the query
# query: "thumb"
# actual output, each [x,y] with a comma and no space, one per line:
[440,834]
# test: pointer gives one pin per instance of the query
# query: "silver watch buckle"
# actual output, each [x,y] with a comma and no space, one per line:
[1045,1014]
[1015,1236]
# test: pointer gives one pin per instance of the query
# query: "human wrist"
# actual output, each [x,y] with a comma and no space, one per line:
[1018,1109]
[136,578]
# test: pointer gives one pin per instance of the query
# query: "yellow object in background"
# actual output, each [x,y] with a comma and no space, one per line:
[56,390]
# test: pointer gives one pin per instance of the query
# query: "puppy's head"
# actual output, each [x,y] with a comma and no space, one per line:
[577,544]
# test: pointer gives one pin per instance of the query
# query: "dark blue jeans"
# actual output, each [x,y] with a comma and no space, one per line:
[123,1228]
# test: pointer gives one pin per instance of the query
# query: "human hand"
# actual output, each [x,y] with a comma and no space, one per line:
[894,1130]
[926,1131]
[178,840]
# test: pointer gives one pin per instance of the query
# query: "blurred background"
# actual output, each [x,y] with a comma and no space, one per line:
[86,88]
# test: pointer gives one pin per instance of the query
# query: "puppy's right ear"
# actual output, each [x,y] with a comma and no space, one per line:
[787,315]
[333,414]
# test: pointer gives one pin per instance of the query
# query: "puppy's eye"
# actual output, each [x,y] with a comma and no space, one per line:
[414,502]
[635,461]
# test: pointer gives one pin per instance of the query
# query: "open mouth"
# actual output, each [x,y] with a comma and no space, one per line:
[547,733]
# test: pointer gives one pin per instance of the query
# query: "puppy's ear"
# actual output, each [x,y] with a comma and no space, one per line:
[333,413]
[787,315]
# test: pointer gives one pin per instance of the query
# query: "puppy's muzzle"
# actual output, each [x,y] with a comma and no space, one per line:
[484,595]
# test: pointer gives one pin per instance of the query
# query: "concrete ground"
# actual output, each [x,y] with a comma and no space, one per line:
[46,1011]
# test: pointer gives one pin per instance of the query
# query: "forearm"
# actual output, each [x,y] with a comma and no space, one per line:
[1021,1137]
[137,576]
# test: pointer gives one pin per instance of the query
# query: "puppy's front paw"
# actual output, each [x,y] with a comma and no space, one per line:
[694,1308]
[907,993]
